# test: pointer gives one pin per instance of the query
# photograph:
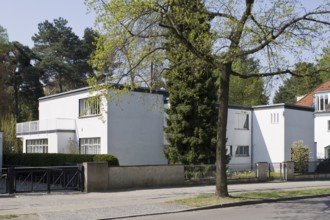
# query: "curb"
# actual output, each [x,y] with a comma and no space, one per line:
[225,205]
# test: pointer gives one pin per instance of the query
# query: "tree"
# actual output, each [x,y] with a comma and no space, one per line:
[248,92]
[238,29]
[62,56]
[300,156]
[11,144]
[298,85]
[191,83]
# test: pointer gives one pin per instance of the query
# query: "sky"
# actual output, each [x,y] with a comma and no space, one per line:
[21,17]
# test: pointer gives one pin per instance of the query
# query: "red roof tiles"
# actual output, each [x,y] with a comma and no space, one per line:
[307,100]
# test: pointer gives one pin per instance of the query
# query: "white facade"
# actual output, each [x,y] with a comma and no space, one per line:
[129,127]
[322,134]
[239,132]
[276,127]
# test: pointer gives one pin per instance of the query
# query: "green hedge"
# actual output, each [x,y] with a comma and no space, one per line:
[37,160]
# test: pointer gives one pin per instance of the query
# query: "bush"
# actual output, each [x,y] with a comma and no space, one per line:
[38,160]
[112,161]
[323,167]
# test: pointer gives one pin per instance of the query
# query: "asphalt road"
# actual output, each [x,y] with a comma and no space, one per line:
[305,209]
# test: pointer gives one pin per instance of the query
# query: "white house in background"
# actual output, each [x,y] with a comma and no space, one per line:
[319,100]
[266,133]
[129,127]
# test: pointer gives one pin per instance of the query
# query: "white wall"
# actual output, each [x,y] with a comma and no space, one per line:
[238,137]
[322,134]
[135,129]
[268,137]
[299,125]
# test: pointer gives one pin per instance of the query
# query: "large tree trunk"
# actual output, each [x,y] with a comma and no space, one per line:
[221,175]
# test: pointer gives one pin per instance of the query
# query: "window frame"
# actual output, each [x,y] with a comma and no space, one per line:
[89,107]
[86,145]
[244,151]
[242,121]
[34,146]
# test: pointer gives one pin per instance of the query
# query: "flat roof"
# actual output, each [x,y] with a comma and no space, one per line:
[284,105]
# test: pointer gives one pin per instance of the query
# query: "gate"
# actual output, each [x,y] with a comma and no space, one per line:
[276,172]
[38,179]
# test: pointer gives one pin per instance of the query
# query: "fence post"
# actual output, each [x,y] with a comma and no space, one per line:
[11,180]
[288,168]
[262,168]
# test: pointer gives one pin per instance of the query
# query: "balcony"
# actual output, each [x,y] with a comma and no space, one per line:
[44,126]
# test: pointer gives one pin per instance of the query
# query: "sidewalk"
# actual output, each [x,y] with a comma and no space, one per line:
[76,205]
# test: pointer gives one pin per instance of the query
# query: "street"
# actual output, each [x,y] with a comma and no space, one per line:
[317,208]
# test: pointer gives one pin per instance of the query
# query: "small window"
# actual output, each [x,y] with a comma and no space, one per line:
[229,150]
[274,118]
[37,146]
[242,151]
[89,107]
[241,121]
[90,145]
[328,125]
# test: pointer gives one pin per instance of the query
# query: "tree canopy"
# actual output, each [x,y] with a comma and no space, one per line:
[133,34]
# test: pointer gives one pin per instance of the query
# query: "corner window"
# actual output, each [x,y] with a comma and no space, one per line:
[321,102]
[241,121]
[242,151]
[90,145]
[229,150]
[37,146]
[89,107]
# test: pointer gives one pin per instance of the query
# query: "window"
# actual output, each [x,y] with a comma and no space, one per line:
[242,151]
[328,125]
[229,150]
[321,102]
[274,118]
[89,107]
[37,146]
[89,145]
[241,121]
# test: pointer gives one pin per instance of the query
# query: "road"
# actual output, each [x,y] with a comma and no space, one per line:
[305,209]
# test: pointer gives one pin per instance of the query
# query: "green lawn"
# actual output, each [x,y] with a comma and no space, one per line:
[211,199]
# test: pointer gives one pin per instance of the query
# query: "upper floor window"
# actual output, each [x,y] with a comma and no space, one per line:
[321,102]
[241,121]
[274,118]
[89,107]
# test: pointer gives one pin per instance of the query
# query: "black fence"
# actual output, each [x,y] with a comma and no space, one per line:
[37,179]
[207,173]
[3,181]
[312,167]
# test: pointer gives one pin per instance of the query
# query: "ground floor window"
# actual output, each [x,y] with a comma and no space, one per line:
[37,146]
[242,151]
[90,145]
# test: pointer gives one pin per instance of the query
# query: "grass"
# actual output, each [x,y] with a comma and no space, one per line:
[8,216]
[211,199]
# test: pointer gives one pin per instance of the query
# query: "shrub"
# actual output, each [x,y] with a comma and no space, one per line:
[323,167]
[112,161]
[37,160]
[300,156]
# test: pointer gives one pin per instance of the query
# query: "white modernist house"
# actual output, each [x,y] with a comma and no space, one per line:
[319,100]
[266,133]
[128,127]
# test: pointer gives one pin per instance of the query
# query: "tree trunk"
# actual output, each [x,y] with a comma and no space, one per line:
[221,175]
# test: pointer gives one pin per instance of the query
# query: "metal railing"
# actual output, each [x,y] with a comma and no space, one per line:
[202,173]
[3,181]
[45,125]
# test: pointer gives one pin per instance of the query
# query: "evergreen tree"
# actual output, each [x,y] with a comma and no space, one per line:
[191,122]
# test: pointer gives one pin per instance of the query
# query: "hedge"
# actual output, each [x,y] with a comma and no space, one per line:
[37,159]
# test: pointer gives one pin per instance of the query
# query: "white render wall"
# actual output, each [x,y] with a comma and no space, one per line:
[135,129]
[322,134]
[268,138]
[238,137]
[299,125]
